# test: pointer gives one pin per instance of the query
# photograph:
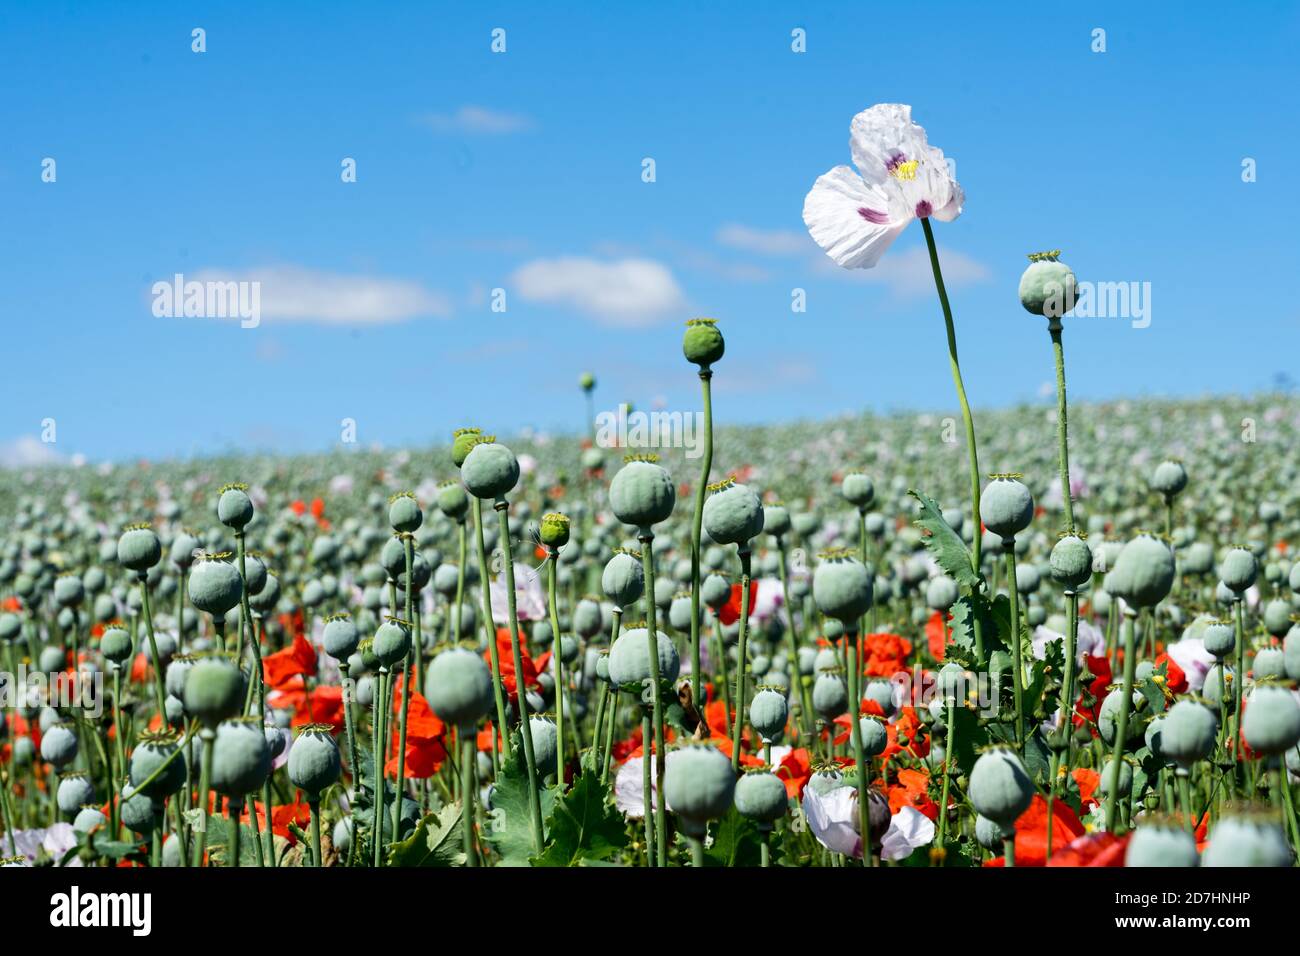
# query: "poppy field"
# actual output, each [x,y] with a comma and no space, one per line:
[999,639]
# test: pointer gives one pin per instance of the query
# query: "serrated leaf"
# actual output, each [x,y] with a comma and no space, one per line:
[944,545]
[583,826]
[965,611]
[969,737]
[509,828]
[1038,759]
[736,842]
[436,842]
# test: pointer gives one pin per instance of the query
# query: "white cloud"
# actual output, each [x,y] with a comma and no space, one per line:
[907,272]
[296,294]
[477,120]
[767,242]
[27,451]
[628,293]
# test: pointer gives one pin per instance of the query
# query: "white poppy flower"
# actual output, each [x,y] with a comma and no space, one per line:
[909,828]
[833,819]
[854,216]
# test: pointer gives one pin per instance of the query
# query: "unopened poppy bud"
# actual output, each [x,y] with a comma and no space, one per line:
[702,344]
[554,530]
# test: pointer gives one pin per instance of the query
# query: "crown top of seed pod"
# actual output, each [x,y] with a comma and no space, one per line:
[630,552]
[400,622]
[232,486]
[137,526]
[337,616]
[701,321]
[1073,533]
[159,737]
[466,431]
[448,482]
[404,493]
[720,485]
[1006,475]
[215,555]
[314,729]
[1051,255]
[836,554]
[651,457]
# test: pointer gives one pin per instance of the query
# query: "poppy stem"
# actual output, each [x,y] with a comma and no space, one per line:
[209,738]
[855,732]
[796,639]
[1121,726]
[1017,673]
[647,791]
[647,538]
[468,786]
[159,693]
[407,684]
[557,654]
[697,524]
[742,661]
[502,728]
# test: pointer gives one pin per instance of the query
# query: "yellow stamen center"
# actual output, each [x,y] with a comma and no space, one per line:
[905,170]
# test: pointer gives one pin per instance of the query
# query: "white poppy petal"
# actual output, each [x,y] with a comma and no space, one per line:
[850,219]
[832,817]
[909,828]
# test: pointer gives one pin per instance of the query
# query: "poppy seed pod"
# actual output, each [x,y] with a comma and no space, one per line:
[1000,789]
[139,548]
[1220,639]
[1271,719]
[940,593]
[213,690]
[265,599]
[1161,843]
[181,552]
[1143,572]
[1108,716]
[458,686]
[75,791]
[1048,287]
[215,586]
[153,750]
[545,744]
[830,697]
[554,530]
[1169,478]
[404,512]
[990,835]
[138,812]
[768,712]
[702,344]
[842,587]
[1269,663]
[241,761]
[314,761]
[761,796]
[115,645]
[858,490]
[776,520]
[1238,570]
[733,514]
[392,642]
[629,659]
[340,637]
[1071,561]
[699,785]
[68,590]
[715,591]
[234,507]
[1006,506]
[59,746]
[588,621]
[875,736]
[453,501]
[642,492]
[1247,840]
[462,440]
[87,819]
[490,470]
[1277,617]
[623,579]
[1188,733]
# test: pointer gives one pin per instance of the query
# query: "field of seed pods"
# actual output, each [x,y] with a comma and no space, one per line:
[1045,636]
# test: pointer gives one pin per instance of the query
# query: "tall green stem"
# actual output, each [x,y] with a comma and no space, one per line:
[1121,726]
[742,661]
[552,559]
[795,639]
[697,521]
[160,693]
[1018,676]
[468,787]
[501,730]
[646,537]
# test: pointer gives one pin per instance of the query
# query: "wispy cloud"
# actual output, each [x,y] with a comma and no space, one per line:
[477,121]
[298,294]
[767,242]
[907,273]
[27,451]
[627,293]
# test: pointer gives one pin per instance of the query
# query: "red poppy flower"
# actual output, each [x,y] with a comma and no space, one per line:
[1175,679]
[1031,833]
[298,508]
[912,790]
[729,613]
[794,770]
[1088,781]
[297,660]
[11,604]
[324,705]
[1093,850]
[886,654]
[937,634]
[1099,667]
[507,663]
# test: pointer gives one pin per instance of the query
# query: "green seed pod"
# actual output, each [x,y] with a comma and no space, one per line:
[642,492]
[1269,664]
[139,815]
[69,591]
[715,591]
[702,344]
[463,439]
[1048,287]
[940,593]
[1188,733]
[87,819]
[768,713]
[1000,789]
[586,381]
[1169,478]
[545,744]
[314,761]
[1238,570]
[842,586]
[1220,639]
[1161,843]
[490,470]
[1270,720]
[761,796]
[776,520]
[1218,687]
[830,696]
[623,579]
[241,761]
[1125,779]
[453,501]
[215,586]
[11,627]
[181,553]
[858,490]
[1291,653]
[733,514]
[1247,840]
[153,750]
[629,659]
[266,599]
[1006,506]
[1108,716]
[588,620]
[1144,572]
[875,736]
[404,513]
[458,687]
[115,645]
[340,637]
[699,785]
[990,835]
[1071,562]
[75,791]
[139,548]
[234,507]
[554,530]
[213,691]
[392,642]
[1277,617]
[59,746]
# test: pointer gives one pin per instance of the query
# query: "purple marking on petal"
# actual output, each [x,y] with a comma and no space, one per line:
[894,162]
[870,215]
[924,210]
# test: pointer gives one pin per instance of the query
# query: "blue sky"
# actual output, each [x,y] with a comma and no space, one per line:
[522,171]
